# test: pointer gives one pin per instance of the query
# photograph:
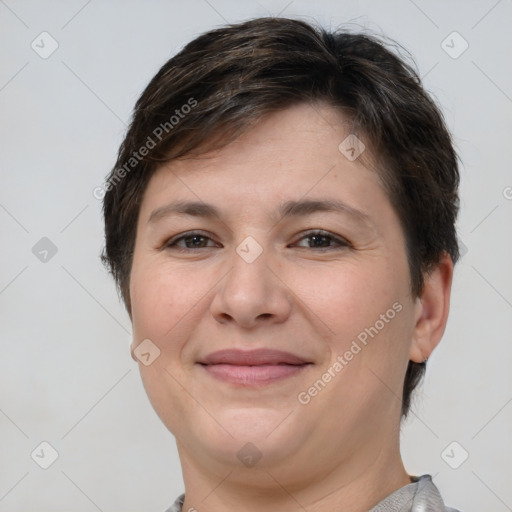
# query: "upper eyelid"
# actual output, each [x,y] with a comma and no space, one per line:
[187,234]
[323,232]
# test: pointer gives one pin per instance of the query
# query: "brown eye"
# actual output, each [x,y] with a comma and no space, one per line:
[323,240]
[193,240]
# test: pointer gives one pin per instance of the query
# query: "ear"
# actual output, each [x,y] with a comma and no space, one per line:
[432,309]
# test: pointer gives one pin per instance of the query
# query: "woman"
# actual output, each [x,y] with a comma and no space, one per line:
[280,223]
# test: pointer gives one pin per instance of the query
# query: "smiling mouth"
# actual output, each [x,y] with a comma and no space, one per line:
[256,375]
[257,367]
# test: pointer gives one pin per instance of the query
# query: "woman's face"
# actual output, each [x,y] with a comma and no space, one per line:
[258,265]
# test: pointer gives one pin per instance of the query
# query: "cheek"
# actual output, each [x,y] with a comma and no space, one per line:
[165,300]
[364,315]
[165,307]
[346,297]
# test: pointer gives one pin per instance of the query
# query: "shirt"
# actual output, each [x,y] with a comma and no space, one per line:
[419,496]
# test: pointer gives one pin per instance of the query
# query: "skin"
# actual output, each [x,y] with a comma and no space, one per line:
[339,451]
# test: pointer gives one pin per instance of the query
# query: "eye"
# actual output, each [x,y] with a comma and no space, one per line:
[323,240]
[316,239]
[191,240]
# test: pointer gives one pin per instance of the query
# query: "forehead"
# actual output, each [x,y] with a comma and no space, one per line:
[303,142]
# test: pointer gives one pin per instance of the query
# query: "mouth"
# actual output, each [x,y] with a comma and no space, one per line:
[253,368]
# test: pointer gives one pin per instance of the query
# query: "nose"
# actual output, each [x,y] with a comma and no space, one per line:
[251,294]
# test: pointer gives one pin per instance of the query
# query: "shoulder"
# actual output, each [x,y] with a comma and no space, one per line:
[428,498]
[177,506]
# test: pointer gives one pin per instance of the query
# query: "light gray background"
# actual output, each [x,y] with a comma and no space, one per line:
[66,376]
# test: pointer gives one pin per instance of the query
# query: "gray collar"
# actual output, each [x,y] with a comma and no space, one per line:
[420,496]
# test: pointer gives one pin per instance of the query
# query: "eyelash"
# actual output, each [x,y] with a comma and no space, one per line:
[171,244]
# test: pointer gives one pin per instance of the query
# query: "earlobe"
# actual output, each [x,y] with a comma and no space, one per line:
[432,309]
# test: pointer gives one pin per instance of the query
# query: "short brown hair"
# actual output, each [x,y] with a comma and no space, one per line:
[225,80]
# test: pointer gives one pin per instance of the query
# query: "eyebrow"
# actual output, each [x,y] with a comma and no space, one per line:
[289,208]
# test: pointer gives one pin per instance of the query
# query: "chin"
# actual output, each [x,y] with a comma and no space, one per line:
[246,437]
[256,423]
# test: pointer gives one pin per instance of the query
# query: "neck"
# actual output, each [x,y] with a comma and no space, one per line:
[356,484]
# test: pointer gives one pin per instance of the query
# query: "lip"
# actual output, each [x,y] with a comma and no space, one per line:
[254,367]
[256,357]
